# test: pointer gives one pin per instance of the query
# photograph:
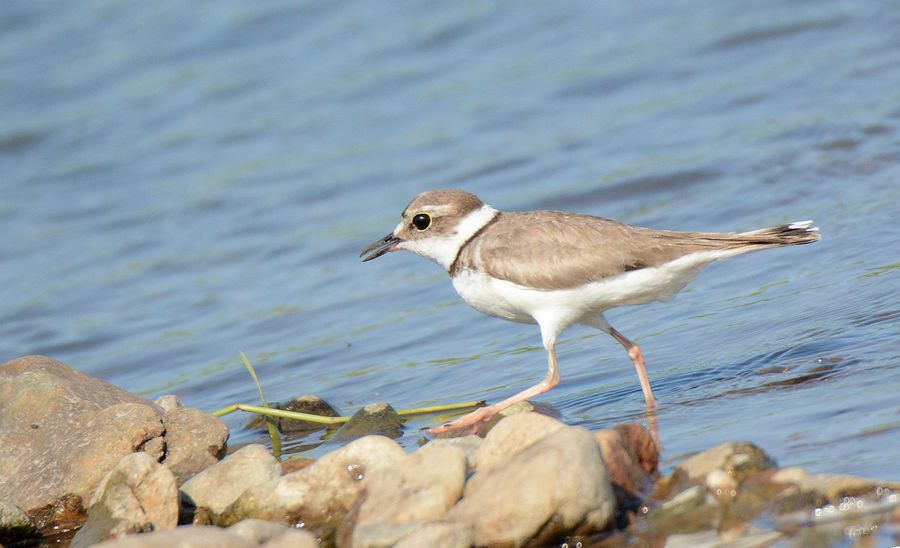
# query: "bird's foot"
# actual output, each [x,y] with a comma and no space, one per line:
[473,421]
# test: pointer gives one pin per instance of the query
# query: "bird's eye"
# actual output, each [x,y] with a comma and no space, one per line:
[421,221]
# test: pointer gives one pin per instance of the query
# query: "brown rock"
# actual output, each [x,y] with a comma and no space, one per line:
[138,495]
[322,494]
[541,408]
[469,445]
[61,431]
[271,534]
[314,405]
[218,490]
[376,535]
[419,488]
[311,404]
[512,435]
[444,535]
[168,402]
[189,536]
[830,488]
[373,419]
[556,486]
[796,490]
[294,464]
[630,456]
[740,460]
[689,511]
[293,538]
[195,440]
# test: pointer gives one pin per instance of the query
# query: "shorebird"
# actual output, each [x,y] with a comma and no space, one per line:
[557,269]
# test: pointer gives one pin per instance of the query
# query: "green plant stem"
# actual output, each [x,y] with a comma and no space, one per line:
[319,419]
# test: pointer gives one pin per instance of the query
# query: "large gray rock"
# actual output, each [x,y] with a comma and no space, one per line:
[417,489]
[511,435]
[195,440]
[555,486]
[138,495]
[218,489]
[189,536]
[322,494]
[61,431]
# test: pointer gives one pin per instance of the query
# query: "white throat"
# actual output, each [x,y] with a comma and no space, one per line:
[443,249]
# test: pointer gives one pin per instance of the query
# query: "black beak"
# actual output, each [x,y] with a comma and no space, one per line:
[380,247]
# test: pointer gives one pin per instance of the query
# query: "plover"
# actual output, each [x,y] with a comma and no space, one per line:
[557,269]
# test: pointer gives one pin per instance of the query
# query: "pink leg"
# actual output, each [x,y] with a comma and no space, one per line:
[634,352]
[477,418]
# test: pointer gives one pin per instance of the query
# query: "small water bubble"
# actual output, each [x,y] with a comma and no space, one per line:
[356,471]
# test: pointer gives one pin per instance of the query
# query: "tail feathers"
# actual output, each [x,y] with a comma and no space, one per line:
[796,233]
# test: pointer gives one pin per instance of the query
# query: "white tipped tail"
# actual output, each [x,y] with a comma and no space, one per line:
[798,232]
[807,225]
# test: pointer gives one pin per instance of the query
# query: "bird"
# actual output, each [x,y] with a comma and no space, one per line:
[557,269]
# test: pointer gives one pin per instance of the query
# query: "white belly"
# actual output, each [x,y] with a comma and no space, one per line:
[564,307]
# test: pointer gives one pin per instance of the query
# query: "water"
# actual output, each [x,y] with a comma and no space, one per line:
[182,181]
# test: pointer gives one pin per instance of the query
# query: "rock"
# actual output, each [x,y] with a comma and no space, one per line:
[830,488]
[195,440]
[189,536]
[511,436]
[373,419]
[218,489]
[168,402]
[630,456]
[417,489]
[257,531]
[445,535]
[136,496]
[15,525]
[61,431]
[376,535]
[526,406]
[740,460]
[469,445]
[557,485]
[294,464]
[322,494]
[272,534]
[314,405]
[794,489]
[293,538]
[755,538]
[686,500]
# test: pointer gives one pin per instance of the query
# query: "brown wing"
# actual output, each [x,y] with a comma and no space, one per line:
[555,250]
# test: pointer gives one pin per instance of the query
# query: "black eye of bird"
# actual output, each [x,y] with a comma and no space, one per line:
[421,221]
